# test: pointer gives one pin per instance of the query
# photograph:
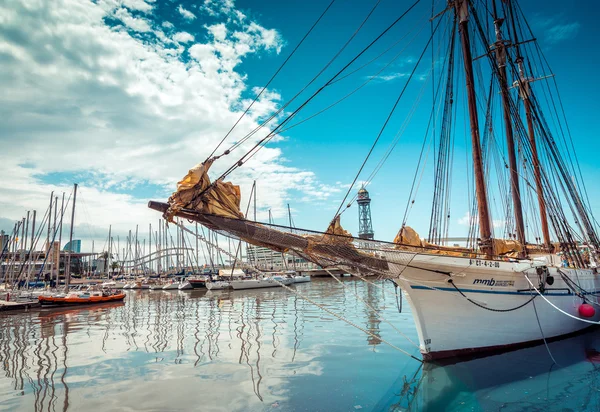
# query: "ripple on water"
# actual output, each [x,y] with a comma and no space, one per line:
[267,350]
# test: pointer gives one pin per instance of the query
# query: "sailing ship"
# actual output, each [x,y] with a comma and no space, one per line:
[498,291]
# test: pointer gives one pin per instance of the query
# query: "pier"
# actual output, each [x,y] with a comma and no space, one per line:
[7,305]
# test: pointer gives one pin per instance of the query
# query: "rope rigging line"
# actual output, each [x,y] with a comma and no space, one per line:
[371,78]
[322,307]
[543,129]
[401,131]
[272,78]
[486,308]
[275,131]
[387,120]
[556,307]
[262,142]
[541,55]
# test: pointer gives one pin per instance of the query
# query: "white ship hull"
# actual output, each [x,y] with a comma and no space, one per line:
[171,286]
[113,285]
[140,286]
[448,324]
[185,286]
[301,279]
[217,285]
[254,284]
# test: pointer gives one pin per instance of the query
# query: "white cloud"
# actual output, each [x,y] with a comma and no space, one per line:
[554,28]
[188,15]
[216,7]
[468,220]
[183,37]
[134,23]
[139,5]
[562,32]
[81,96]
[167,24]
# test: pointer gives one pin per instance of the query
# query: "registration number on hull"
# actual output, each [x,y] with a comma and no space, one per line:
[485,263]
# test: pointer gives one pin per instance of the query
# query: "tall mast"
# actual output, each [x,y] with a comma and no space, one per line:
[68,268]
[135,251]
[62,215]
[524,94]
[500,50]
[31,248]
[254,189]
[159,265]
[26,264]
[107,260]
[55,262]
[485,232]
[49,242]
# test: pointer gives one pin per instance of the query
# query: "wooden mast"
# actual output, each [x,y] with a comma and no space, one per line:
[485,232]
[500,50]
[524,94]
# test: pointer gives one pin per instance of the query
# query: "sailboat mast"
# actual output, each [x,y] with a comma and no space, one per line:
[68,268]
[107,260]
[524,94]
[62,215]
[485,232]
[55,259]
[500,50]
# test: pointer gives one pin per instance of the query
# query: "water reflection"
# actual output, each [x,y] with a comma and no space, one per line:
[522,380]
[267,349]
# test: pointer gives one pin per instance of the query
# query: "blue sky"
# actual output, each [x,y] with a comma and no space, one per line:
[125,96]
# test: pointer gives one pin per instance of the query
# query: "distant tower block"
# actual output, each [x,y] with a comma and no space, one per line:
[365,226]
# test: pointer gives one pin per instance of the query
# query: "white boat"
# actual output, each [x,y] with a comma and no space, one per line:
[113,285]
[492,301]
[171,286]
[254,283]
[218,285]
[301,279]
[156,286]
[127,285]
[185,286]
[286,280]
[139,285]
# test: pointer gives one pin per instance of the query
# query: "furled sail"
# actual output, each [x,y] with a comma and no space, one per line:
[220,198]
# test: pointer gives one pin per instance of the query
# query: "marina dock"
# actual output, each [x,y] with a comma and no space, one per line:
[7,305]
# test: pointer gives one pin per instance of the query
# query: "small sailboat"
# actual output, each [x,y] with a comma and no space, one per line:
[139,284]
[218,285]
[285,279]
[185,285]
[113,285]
[301,278]
[258,283]
[157,286]
[172,286]
[197,282]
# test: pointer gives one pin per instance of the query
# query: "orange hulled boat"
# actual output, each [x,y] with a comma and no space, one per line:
[82,297]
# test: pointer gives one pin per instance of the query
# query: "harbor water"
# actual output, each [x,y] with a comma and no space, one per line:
[272,350]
